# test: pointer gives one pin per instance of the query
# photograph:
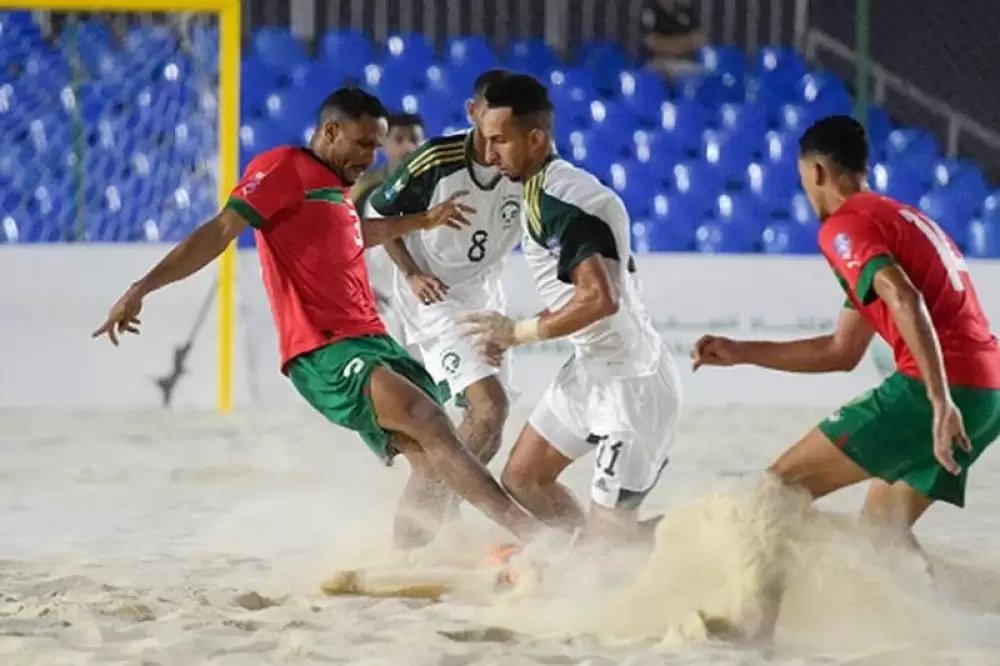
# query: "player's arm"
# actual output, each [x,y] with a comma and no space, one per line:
[271,184]
[909,311]
[195,252]
[840,351]
[594,298]
[449,213]
[585,242]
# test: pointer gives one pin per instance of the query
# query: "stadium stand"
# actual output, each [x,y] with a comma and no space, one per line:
[707,165]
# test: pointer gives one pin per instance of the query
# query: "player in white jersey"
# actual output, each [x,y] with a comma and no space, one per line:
[618,395]
[442,277]
[406,132]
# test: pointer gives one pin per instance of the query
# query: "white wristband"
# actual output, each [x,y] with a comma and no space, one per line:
[526,331]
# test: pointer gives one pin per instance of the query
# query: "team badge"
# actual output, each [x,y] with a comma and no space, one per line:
[253,183]
[842,246]
[510,212]
[450,362]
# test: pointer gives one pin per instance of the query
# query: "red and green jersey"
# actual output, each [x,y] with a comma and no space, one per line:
[870,232]
[311,250]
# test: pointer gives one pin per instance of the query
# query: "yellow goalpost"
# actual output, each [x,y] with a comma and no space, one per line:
[228,13]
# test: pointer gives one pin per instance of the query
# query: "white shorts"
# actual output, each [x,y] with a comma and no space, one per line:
[630,423]
[454,359]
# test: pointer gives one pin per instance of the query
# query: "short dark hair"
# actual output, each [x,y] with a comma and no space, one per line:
[526,97]
[840,139]
[488,78]
[350,103]
[405,120]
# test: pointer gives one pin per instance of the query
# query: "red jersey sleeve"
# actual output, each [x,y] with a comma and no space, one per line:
[270,185]
[857,251]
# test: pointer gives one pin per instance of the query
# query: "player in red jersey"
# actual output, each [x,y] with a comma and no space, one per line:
[334,347]
[905,280]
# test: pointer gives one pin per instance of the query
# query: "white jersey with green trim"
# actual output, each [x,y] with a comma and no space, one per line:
[469,260]
[568,217]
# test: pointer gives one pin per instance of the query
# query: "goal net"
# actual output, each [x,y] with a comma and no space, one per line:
[108,125]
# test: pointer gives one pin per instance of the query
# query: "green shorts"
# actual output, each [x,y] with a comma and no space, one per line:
[887,431]
[334,380]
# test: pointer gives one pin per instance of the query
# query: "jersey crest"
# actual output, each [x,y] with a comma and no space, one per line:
[510,212]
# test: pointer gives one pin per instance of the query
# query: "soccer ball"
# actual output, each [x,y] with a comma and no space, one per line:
[502,557]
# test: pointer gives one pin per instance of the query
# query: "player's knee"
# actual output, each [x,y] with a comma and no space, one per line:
[520,479]
[488,404]
[424,416]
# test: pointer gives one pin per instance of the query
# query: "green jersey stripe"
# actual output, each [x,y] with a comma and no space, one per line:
[331,194]
[246,211]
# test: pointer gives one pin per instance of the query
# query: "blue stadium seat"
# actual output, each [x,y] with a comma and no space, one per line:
[259,135]
[801,211]
[602,139]
[781,151]
[642,92]
[722,60]
[256,83]
[794,119]
[684,120]
[531,56]
[412,47]
[611,117]
[773,188]
[697,182]
[656,148]
[470,51]
[785,237]
[604,60]
[727,154]
[991,208]
[676,215]
[965,180]
[739,211]
[466,58]
[633,183]
[318,76]
[573,113]
[709,165]
[879,127]
[347,51]
[942,206]
[896,180]
[911,144]
[714,237]
[711,90]
[982,240]
[777,71]
[277,48]
[824,94]
[578,84]
[651,237]
[747,118]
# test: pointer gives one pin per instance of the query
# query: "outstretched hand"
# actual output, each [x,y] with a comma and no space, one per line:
[450,213]
[493,332]
[122,318]
[714,350]
[949,431]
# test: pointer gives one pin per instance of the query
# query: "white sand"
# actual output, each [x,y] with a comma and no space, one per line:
[178,538]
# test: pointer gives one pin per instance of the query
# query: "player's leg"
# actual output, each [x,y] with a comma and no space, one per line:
[454,360]
[886,434]
[532,472]
[640,416]
[373,386]
[401,407]
[556,434]
[424,503]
